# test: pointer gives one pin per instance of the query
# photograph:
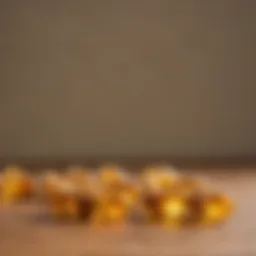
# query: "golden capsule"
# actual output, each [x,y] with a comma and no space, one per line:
[187,186]
[159,177]
[152,203]
[61,199]
[129,195]
[86,193]
[115,203]
[16,185]
[71,198]
[50,184]
[86,207]
[77,173]
[217,208]
[195,203]
[64,206]
[167,209]
[110,174]
[174,210]
[116,198]
[208,208]
[110,210]
[72,207]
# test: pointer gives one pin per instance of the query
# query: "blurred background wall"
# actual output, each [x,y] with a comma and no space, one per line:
[127,78]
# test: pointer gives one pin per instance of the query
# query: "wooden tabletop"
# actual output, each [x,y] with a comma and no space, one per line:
[24,232]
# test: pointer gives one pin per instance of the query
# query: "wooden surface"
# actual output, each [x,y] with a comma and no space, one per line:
[24,232]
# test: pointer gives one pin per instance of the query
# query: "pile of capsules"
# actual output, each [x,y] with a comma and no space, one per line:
[109,195]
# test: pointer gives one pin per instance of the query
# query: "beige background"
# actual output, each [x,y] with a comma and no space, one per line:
[127,77]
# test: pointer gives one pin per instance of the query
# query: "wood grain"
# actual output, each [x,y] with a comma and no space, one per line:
[23,232]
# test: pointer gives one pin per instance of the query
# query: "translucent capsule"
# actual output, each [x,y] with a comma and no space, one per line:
[71,198]
[50,184]
[166,201]
[16,184]
[116,202]
[216,209]
[77,173]
[110,210]
[208,208]
[195,203]
[64,207]
[110,174]
[82,178]
[61,199]
[127,191]
[86,207]
[165,208]
[72,207]
[174,210]
[159,177]
[87,193]
[152,203]
[188,185]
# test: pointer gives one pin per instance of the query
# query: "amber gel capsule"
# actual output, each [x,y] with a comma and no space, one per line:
[117,197]
[16,184]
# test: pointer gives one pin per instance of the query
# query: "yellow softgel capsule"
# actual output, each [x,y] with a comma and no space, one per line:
[188,186]
[110,174]
[76,173]
[195,203]
[110,210]
[72,198]
[86,193]
[152,206]
[216,209]
[82,178]
[160,177]
[206,209]
[115,202]
[61,200]
[174,210]
[50,183]
[64,206]
[86,207]
[165,208]
[16,184]
[165,196]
